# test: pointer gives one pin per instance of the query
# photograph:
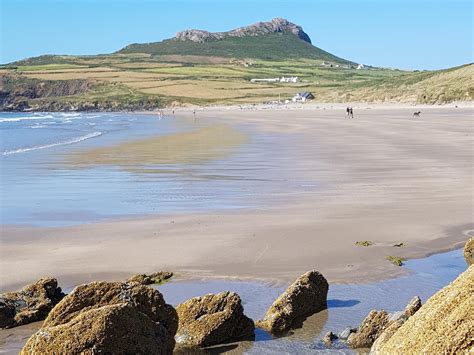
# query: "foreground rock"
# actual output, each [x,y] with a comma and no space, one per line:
[444,325]
[378,322]
[306,296]
[212,319]
[114,329]
[109,317]
[469,252]
[31,304]
[155,278]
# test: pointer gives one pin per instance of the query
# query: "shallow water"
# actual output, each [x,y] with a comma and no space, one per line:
[40,185]
[347,304]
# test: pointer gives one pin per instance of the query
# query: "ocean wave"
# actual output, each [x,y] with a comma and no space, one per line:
[24,118]
[69,114]
[70,141]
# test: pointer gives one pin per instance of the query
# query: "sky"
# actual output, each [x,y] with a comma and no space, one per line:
[405,34]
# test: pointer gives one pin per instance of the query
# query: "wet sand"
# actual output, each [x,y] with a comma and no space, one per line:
[203,144]
[383,176]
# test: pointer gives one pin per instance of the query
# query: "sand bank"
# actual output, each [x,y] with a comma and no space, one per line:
[384,177]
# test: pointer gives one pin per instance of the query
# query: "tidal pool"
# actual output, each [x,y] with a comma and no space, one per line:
[348,304]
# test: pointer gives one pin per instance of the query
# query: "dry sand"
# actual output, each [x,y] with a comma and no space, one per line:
[385,177]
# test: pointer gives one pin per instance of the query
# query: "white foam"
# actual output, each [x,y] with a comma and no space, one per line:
[70,141]
[24,118]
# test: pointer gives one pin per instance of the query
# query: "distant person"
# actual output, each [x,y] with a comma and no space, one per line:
[194,114]
[351,112]
[173,113]
[348,112]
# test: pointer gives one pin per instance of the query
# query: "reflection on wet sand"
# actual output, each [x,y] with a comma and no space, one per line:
[12,340]
[202,145]
[309,328]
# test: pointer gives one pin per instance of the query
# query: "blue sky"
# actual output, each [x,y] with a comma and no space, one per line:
[407,34]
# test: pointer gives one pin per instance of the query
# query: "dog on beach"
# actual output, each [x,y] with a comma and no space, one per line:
[416,114]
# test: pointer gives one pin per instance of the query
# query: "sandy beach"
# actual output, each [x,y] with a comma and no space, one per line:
[384,177]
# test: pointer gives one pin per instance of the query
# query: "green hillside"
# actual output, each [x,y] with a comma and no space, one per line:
[273,46]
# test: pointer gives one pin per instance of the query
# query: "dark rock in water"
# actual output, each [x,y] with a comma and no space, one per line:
[31,304]
[443,325]
[328,338]
[100,315]
[113,329]
[155,278]
[469,252]
[277,25]
[369,330]
[306,296]
[346,332]
[412,307]
[380,324]
[212,319]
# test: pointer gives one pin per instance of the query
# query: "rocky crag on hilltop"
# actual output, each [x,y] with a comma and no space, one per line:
[277,25]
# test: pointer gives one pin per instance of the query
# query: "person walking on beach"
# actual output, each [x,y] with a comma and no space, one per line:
[348,112]
[351,112]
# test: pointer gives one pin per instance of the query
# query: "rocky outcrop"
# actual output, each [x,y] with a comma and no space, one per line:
[114,329]
[412,307]
[277,25]
[443,325]
[15,88]
[469,252]
[306,296]
[371,327]
[31,304]
[381,324]
[20,93]
[212,319]
[328,338]
[108,316]
[155,278]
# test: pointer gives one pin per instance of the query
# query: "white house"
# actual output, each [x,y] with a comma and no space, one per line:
[283,79]
[289,79]
[271,80]
[303,97]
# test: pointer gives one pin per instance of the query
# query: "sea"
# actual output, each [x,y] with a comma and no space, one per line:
[38,188]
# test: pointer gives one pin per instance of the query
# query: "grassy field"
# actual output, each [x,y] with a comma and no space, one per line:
[204,80]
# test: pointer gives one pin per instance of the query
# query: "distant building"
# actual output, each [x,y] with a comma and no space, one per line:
[303,97]
[360,66]
[283,79]
[271,80]
[289,79]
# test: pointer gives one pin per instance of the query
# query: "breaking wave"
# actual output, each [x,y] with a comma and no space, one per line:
[25,118]
[66,142]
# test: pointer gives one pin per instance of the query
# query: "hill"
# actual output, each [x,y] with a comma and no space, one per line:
[275,40]
[427,87]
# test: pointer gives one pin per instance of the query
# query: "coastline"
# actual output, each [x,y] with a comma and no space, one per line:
[312,105]
[399,166]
